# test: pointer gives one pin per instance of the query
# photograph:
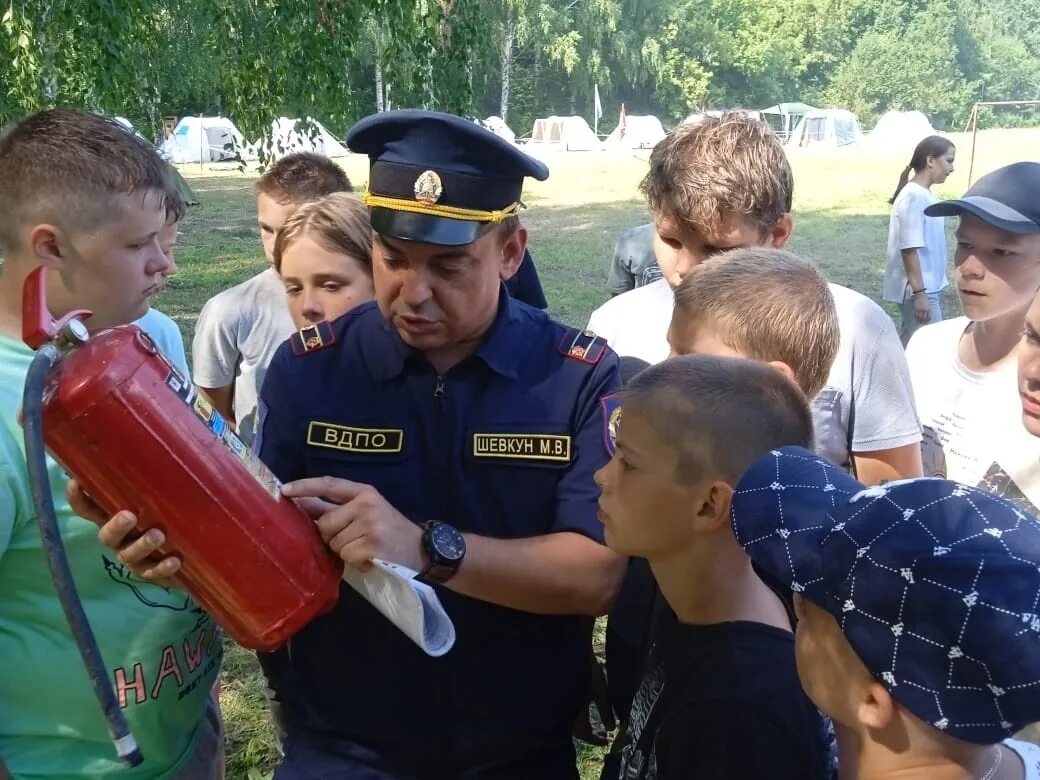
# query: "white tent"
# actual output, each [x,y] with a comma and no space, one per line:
[571,133]
[826,127]
[203,139]
[637,132]
[289,136]
[498,126]
[899,131]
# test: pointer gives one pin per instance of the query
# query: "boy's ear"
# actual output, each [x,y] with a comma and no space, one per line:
[513,252]
[784,369]
[713,507]
[47,246]
[876,707]
[780,232]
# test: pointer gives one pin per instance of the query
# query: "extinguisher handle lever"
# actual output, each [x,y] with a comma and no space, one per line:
[38,324]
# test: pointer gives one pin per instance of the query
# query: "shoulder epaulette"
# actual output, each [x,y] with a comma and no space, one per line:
[312,338]
[583,345]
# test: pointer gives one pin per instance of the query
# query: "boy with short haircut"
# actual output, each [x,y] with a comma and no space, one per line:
[163,330]
[963,369]
[720,695]
[724,183]
[793,324]
[239,329]
[917,628]
[88,201]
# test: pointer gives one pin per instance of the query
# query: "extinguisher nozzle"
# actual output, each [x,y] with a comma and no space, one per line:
[57,560]
[128,750]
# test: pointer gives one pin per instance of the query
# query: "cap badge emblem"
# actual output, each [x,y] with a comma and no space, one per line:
[428,188]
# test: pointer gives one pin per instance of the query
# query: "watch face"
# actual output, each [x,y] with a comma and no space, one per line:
[448,542]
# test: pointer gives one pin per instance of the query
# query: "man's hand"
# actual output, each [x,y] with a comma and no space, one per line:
[922,307]
[357,523]
[136,551]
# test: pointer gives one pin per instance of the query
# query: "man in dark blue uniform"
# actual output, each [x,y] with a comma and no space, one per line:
[452,429]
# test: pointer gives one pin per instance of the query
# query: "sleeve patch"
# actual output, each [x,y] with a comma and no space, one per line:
[611,406]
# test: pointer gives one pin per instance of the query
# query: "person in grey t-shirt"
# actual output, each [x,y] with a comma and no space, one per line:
[634,264]
[239,329]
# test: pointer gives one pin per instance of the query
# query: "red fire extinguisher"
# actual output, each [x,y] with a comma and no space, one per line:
[135,433]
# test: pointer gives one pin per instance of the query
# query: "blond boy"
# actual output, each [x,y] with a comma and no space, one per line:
[239,329]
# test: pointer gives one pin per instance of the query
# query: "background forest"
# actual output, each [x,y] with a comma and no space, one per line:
[337,60]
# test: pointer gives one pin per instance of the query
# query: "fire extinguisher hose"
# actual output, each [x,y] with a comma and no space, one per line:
[57,560]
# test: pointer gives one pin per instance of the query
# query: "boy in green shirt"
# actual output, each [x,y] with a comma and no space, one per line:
[88,201]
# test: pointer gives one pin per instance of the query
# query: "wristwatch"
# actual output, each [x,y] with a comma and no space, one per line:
[444,547]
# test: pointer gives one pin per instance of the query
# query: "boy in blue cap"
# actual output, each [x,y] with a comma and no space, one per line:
[918,630]
[451,429]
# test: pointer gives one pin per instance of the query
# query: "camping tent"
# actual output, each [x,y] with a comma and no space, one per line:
[826,127]
[899,131]
[636,132]
[289,136]
[498,126]
[185,191]
[203,139]
[569,132]
[784,117]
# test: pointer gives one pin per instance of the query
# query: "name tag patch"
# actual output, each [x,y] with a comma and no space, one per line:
[525,446]
[349,439]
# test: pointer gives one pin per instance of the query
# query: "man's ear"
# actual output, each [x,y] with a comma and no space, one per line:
[876,707]
[513,246]
[711,512]
[780,232]
[47,246]
[784,369]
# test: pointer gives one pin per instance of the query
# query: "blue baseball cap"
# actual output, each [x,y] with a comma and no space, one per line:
[935,585]
[439,178]
[1007,198]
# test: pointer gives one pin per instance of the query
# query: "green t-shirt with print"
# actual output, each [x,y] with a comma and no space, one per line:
[162,649]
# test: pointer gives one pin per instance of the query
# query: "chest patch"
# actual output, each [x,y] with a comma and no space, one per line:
[550,447]
[350,439]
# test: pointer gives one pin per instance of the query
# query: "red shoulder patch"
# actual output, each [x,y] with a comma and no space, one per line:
[312,338]
[583,345]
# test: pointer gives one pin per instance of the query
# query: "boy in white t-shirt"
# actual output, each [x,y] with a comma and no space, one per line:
[916,605]
[725,183]
[964,369]
[239,329]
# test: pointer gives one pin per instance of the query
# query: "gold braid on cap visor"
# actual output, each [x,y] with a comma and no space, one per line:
[433,210]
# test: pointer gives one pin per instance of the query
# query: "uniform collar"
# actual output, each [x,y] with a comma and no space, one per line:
[500,349]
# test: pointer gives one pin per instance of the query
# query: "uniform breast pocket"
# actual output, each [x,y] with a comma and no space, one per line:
[830,423]
[519,471]
[375,454]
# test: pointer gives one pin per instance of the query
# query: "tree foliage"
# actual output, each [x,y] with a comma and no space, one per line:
[336,60]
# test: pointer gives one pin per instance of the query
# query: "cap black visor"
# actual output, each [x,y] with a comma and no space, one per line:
[426,229]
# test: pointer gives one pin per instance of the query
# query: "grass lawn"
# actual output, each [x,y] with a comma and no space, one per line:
[574,218]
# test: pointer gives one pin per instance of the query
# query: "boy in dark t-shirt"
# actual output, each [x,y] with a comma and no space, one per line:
[720,696]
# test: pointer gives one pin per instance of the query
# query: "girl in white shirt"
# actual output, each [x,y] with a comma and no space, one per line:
[915,272]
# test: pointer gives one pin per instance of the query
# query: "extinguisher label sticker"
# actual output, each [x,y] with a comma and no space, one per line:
[219,427]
